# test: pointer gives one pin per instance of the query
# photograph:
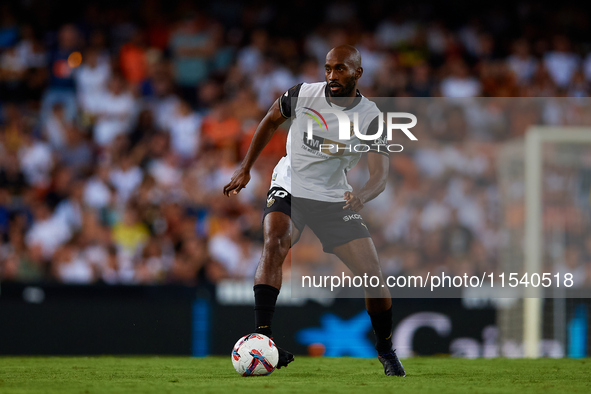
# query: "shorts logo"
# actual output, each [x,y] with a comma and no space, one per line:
[351,217]
[275,193]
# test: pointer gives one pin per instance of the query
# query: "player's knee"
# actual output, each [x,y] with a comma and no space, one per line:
[376,274]
[277,246]
[369,268]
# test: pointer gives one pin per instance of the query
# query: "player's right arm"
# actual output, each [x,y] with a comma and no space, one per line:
[272,120]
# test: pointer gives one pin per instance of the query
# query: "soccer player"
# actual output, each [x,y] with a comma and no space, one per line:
[309,187]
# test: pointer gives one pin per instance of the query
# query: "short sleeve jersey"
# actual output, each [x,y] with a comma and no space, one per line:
[316,168]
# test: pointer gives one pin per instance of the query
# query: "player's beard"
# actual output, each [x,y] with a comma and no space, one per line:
[345,89]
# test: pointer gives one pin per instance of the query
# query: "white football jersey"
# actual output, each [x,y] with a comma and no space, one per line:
[317,168]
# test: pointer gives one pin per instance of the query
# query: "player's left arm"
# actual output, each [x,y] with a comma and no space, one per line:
[378,165]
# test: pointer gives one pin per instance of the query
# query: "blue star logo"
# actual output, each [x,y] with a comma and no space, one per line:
[341,337]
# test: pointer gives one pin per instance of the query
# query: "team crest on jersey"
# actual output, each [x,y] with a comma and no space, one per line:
[270,202]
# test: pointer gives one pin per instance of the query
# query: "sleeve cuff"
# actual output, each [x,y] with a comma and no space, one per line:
[281,109]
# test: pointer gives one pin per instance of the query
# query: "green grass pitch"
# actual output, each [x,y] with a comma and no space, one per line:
[305,375]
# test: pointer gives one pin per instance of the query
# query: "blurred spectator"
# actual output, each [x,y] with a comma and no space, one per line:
[133,59]
[59,188]
[158,24]
[587,68]
[114,113]
[4,211]
[220,128]
[114,272]
[571,263]
[98,191]
[36,161]
[191,44]
[238,257]
[77,153]
[55,128]
[47,232]
[164,102]
[70,267]
[145,128]
[459,83]
[62,62]
[310,72]
[166,171]
[183,271]
[185,132]
[69,210]
[457,239]
[151,267]
[91,81]
[125,178]
[561,62]
[371,58]
[521,62]
[129,233]
[12,71]
[395,30]
[421,84]
[245,109]
[30,49]
[224,49]
[12,179]
[270,81]
[8,27]
[251,57]
[436,213]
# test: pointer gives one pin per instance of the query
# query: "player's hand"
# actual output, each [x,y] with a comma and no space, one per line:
[239,180]
[353,202]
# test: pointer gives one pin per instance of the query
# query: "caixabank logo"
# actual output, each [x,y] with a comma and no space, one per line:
[349,129]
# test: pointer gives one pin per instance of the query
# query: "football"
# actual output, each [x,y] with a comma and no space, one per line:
[255,355]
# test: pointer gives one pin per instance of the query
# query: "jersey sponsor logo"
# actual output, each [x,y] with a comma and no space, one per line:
[315,118]
[314,143]
[325,146]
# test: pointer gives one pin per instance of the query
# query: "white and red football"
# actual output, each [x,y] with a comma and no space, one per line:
[255,355]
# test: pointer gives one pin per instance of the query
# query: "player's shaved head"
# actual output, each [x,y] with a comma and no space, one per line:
[345,54]
[342,70]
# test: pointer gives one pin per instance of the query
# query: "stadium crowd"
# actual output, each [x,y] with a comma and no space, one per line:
[120,126]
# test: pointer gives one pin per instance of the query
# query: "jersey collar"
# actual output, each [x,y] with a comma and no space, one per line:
[356,100]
